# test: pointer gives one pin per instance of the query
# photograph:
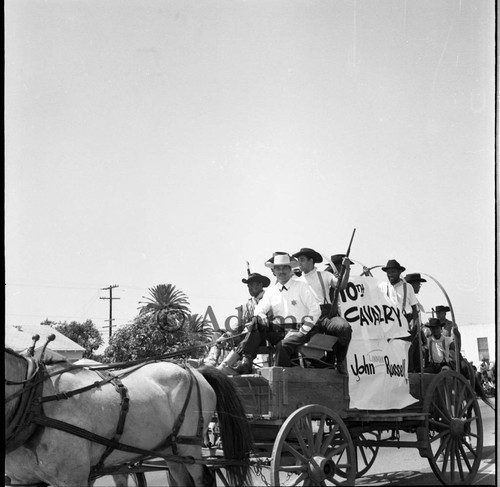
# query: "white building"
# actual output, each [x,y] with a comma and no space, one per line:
[19,338]
[478,342]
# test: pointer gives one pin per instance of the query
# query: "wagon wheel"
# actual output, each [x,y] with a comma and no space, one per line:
[366,454]
[454,429]
[314,445]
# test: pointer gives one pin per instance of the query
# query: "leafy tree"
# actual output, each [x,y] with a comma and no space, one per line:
[145,337]
[164,325]
[85,334]
[167,306]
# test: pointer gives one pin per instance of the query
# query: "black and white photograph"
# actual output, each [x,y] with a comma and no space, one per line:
[250,242]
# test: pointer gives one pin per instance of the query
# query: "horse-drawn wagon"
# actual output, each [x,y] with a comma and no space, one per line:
[68,424]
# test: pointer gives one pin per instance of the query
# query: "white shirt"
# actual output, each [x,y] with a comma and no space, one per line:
[292,303]
[396,293]
[312,279]
[249,307]
[439,349]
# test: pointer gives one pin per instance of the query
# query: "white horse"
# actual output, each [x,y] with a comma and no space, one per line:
[160,395]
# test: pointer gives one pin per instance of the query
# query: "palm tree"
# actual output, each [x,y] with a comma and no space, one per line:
[167,306]
[200,328]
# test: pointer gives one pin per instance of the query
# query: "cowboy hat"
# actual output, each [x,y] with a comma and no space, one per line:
[281,259]
[256,277]
[310,253]
[269,262]
[442,308]
[393,264]
[433,322]
[415,277]
[337,258]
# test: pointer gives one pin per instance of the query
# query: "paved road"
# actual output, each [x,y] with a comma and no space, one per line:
[417,471]
[403,467]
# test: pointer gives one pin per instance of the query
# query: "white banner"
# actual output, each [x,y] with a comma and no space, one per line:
[377,359]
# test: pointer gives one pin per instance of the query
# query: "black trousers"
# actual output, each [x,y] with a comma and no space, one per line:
[257,337]
[289,346]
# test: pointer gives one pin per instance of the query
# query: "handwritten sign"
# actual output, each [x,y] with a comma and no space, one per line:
[377,359]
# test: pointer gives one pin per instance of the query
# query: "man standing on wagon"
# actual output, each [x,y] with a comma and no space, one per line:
[322,285]
[402,292]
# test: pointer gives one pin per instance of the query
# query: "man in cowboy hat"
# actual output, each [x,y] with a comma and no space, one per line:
[440,349]
[445,323]
[400,291]
[269,263]
[416,280]
[336,260]
[323,285]
[288,301]
[450,329]
[256,283]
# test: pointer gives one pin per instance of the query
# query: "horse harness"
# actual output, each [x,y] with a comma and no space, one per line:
[29,414]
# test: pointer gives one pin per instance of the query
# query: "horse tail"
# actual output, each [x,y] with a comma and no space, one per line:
[469,373]
[236,435]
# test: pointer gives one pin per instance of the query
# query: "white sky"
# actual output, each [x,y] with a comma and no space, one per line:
[171,141]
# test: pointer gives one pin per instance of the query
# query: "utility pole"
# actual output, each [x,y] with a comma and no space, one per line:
[110,288]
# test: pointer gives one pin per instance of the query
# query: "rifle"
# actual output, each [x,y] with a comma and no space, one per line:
[248,269]
[336,293]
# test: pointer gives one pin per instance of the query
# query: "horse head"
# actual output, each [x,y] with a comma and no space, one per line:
[22,385]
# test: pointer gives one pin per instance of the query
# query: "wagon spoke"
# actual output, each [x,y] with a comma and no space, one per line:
[464,456]
[298,434]
[460,399]
[319,434]
[438,425]
[290,449]
[308,429]
[444,414]
[328,440]
[301,478]
[336,450]
[451,456]
[459,461]
[445,398]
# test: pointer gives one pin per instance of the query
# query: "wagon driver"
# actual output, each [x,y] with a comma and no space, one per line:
[291,301]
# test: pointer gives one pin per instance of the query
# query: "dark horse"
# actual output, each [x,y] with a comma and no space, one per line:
[163,398]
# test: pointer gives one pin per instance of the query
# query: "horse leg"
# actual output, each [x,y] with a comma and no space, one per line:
[178,475]
[121,480]
[190,474]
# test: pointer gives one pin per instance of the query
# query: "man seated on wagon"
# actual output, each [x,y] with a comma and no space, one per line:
[323,285]
[288,301]
[440,348]
[256,283]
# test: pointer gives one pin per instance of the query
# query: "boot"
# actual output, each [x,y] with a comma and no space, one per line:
[341,354]
[228,362]
[213,356]
[245,366]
